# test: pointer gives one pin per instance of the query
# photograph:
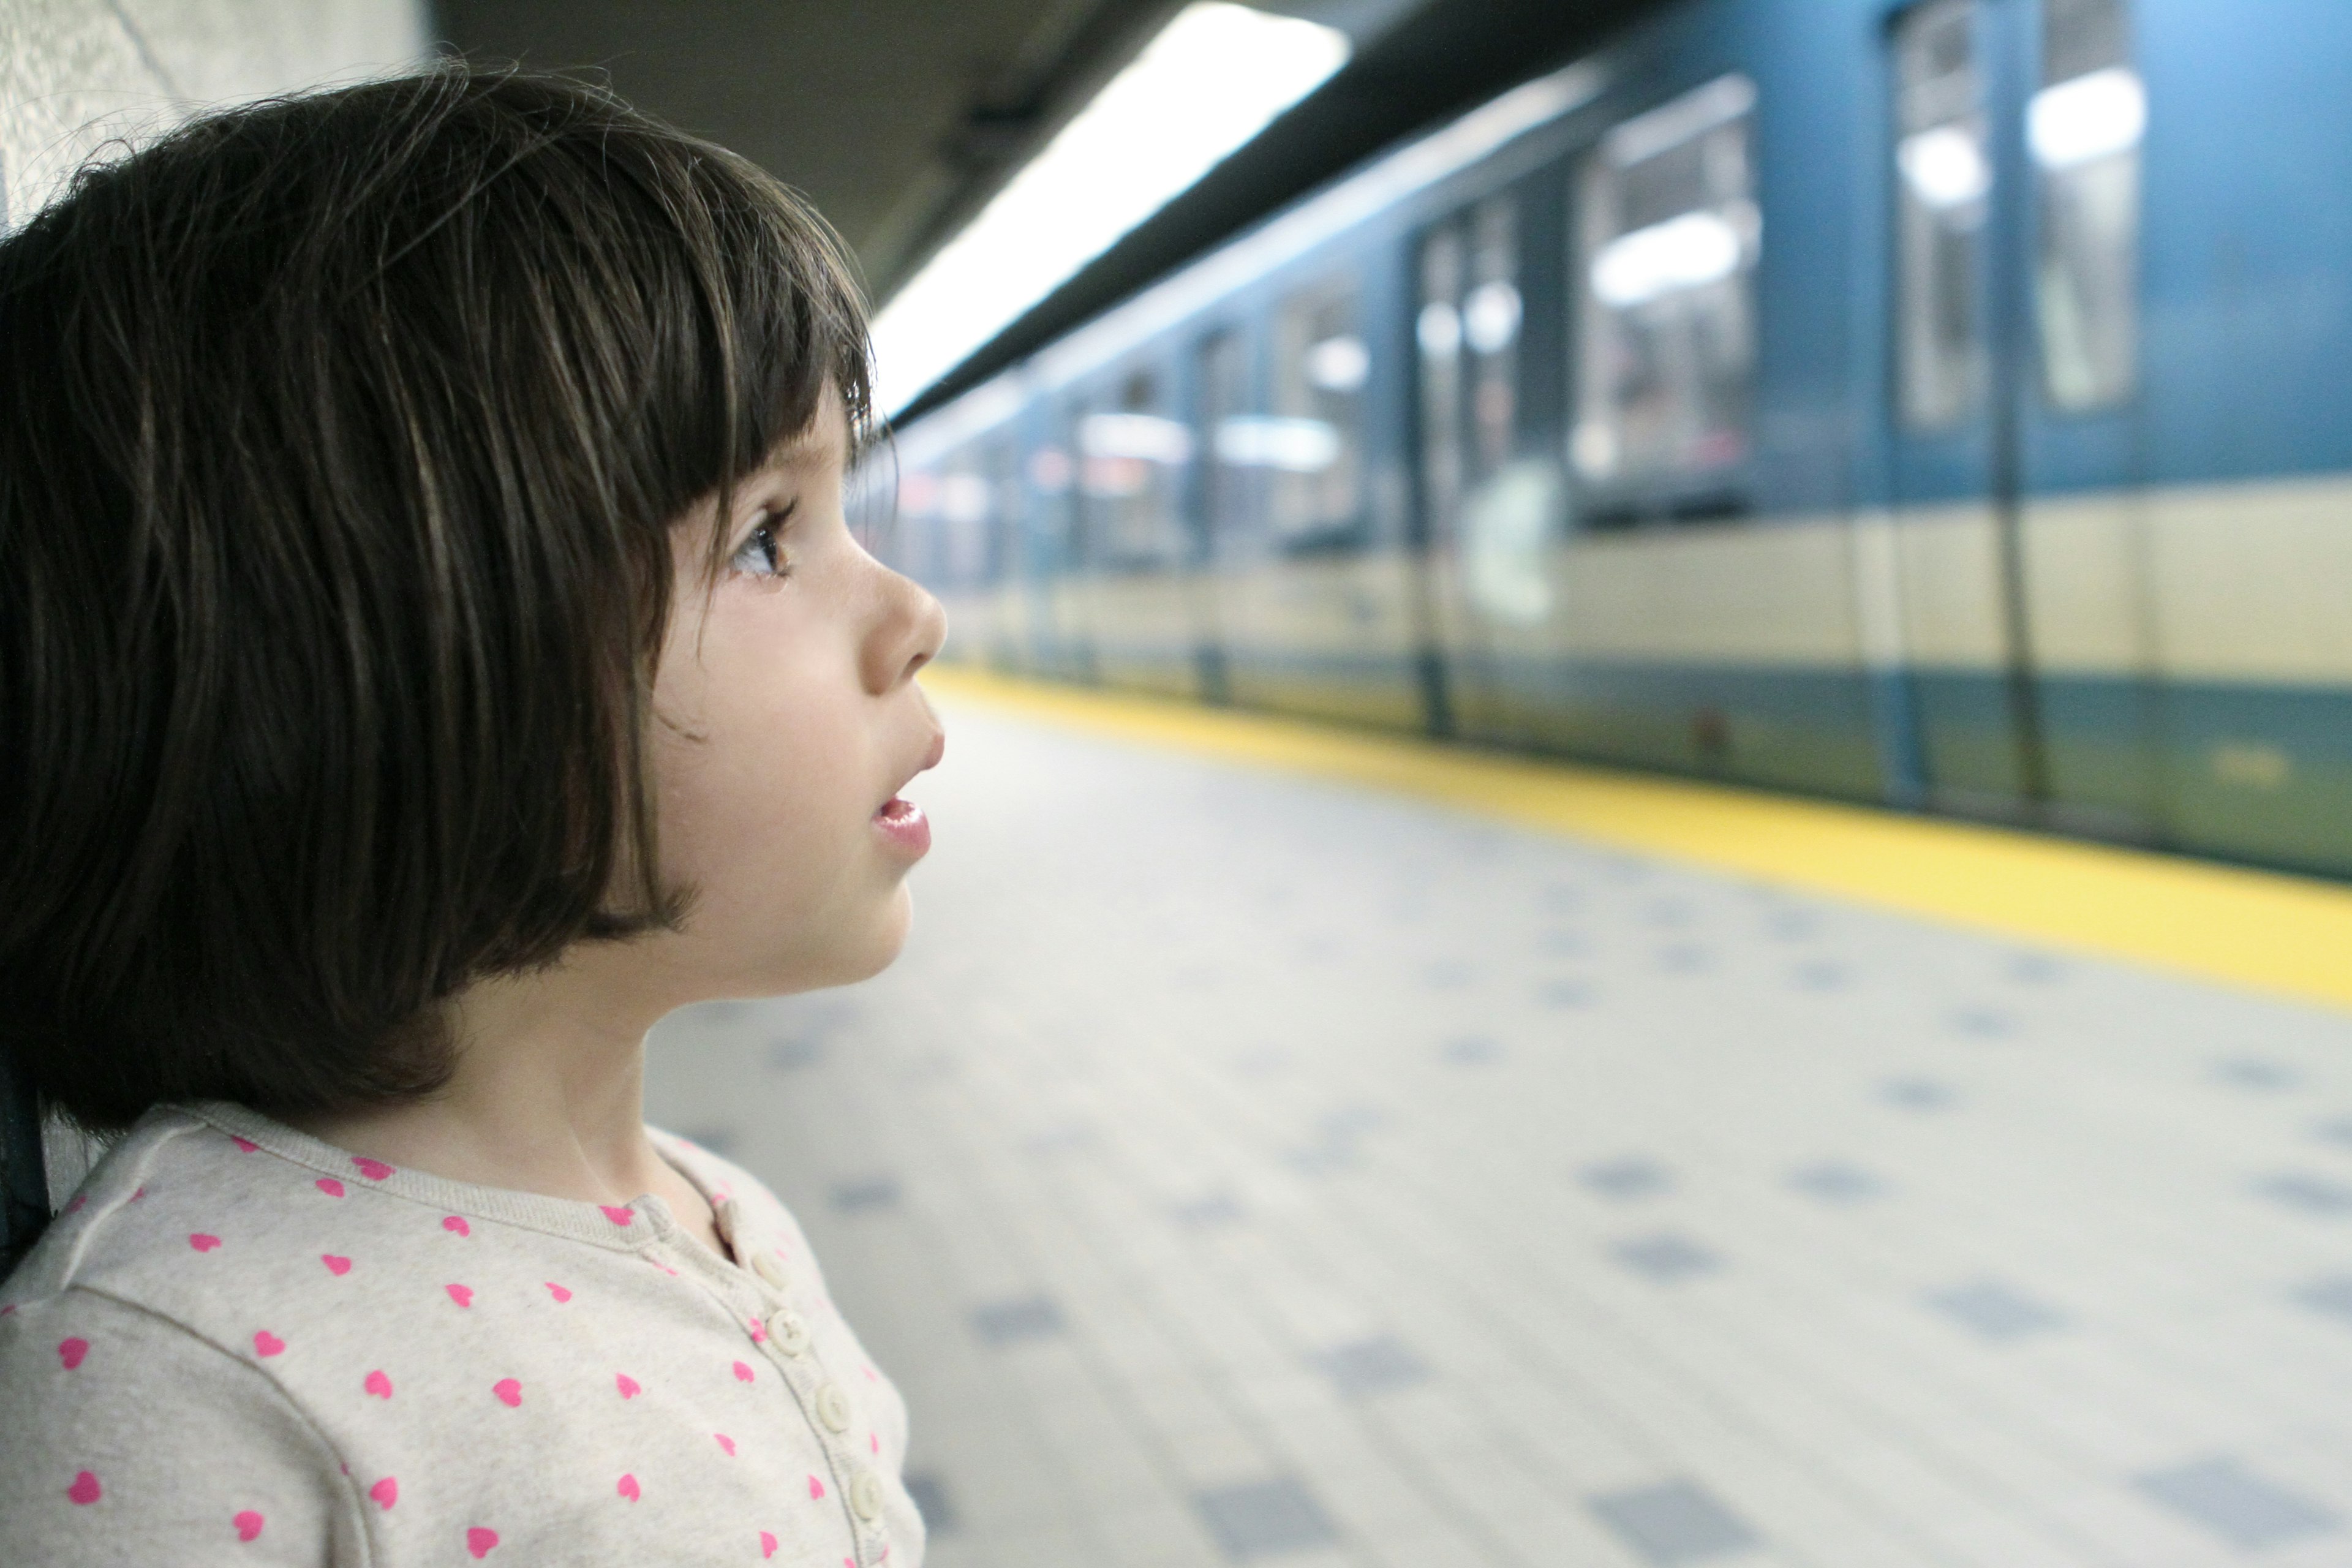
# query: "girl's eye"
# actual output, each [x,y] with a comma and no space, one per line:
[760,555]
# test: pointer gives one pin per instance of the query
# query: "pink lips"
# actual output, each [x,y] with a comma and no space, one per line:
[903,823]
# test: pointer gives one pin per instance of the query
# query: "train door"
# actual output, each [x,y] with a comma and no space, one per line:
[1467,332]
[2012,462]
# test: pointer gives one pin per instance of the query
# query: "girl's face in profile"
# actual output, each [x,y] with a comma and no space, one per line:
[787,719]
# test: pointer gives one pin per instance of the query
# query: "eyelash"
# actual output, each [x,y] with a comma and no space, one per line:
[762,544]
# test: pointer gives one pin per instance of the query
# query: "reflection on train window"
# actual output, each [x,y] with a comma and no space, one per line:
[1943,176]
[2083,130]
[1667,347]
[1468,329]
[1312,447]
[1232,461]
[1129,454]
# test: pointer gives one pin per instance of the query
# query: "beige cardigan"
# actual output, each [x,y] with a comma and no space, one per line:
[241,1345]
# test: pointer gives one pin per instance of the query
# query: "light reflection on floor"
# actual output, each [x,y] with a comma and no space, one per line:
[1244,1169]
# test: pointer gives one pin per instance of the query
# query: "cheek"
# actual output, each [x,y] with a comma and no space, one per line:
[761,807]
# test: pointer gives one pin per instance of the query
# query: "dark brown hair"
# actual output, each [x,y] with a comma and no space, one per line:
[340,438]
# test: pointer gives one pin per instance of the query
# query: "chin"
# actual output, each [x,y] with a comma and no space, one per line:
[859,956]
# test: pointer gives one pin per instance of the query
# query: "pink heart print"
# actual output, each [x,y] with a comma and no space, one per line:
[758,1331]
[266,1343]
[767,1544]
[618,1214]
[336,1265]
[247,1144]
[70,1352]
[386,1492]
[558,1292]
[328,1185]
[204,1243]
[456,1223]
[725,1442]
[373,1169]
[479,1541]
[378,1385]
[461,1294]
[816,1489]
[249,1525]
[742,1373]
[85,1489]
[626,1385]
[509,1391]
[628,1488]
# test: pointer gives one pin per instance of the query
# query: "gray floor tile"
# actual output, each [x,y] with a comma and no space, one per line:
[1000,1323]
[1366,1367]
[1918,1094]
[1666,1257]
[1473,1050]
[1836,1182]
[2333,1295]
[794,1053]
[865,1194]
[2256,1073]
[1261,1519]
[930,1495]
[1209,1211]
[1996,1311]
[1633,1176]
[2243,1509]
[2338,1131]
[1675,1523]
[2313,1194]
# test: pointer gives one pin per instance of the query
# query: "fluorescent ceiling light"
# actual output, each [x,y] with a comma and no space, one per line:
[1945,167]
[1208,82]
[1686,252]
[2091,116]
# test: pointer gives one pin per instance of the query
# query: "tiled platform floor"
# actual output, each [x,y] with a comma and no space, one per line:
[1244,1169]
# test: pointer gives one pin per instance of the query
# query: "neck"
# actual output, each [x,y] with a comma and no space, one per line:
[548,1096]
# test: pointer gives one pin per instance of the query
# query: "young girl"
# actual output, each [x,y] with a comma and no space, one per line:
[431,650]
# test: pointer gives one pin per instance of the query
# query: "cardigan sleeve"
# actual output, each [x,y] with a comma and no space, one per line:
[126,1438]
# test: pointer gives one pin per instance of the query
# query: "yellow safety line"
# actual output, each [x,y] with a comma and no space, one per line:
[2263,929]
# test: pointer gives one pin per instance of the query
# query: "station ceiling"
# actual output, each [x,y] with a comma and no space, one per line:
[900,118]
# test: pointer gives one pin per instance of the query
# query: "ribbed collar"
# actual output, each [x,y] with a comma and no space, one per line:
[649,1220]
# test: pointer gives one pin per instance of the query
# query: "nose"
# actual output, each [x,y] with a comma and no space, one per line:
[911,631]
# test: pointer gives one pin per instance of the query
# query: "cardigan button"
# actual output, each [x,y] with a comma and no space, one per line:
[789,1330]
[766,1267]
[865,1496]
[833,1407]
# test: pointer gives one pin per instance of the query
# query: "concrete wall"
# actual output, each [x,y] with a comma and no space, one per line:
[76,73]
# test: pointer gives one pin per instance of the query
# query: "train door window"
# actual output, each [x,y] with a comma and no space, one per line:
[1314,440]
[1129,454]
[1943,177]
[1669,234]
[965,515]
[1468,329]
[1233,442]
[1438,330]
[2083,128]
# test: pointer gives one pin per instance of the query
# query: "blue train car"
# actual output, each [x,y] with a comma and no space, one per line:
[1936,405]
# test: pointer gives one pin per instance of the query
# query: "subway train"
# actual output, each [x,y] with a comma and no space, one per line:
[1943,405]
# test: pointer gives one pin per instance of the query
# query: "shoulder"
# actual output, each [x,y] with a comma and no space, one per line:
[177,1207]
[145,1442]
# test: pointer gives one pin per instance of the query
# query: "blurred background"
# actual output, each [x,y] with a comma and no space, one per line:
[1642,859]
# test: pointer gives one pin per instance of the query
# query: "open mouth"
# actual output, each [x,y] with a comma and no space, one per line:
[903,822]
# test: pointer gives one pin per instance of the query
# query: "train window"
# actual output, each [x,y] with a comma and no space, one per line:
[1669,236]
[1234,445]
[1468,329]
[2083,130]
[1129,454]
[1314,444]
[1943,176]
[962,535]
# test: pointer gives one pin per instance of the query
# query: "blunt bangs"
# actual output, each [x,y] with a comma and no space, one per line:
[344,438]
